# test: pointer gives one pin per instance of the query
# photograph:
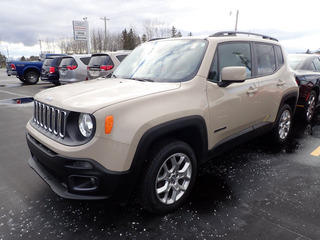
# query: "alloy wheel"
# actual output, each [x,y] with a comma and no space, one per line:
[173,178]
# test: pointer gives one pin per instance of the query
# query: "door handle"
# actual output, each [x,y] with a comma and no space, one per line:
[281,83]
[252,90]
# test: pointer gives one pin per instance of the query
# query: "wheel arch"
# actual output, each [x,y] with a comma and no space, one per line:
[191,130]
[291,99]
[31,69]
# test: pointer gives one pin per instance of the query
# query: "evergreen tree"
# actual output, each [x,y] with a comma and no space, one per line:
[129,39]
[124,39]
[173,32]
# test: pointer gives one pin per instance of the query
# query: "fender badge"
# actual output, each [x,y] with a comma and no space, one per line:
[49,99]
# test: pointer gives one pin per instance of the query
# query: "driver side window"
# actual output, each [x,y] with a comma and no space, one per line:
[230,54]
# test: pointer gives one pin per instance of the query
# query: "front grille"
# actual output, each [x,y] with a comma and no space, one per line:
[50,118]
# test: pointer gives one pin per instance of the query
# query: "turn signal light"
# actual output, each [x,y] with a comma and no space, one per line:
[108,124]
[13,67]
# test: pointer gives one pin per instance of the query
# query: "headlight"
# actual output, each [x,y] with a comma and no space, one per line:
[85,124]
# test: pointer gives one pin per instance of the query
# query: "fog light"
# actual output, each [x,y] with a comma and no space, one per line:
[83,183]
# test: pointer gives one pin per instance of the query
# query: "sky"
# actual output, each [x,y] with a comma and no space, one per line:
[24,22]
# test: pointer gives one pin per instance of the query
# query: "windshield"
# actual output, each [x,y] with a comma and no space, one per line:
[163,61]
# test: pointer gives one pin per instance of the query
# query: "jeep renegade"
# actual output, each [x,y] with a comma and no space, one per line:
[170,106]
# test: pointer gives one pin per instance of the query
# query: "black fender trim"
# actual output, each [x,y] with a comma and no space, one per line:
[170,129]
[290,95]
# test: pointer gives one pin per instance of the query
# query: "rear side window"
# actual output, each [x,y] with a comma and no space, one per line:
[279,56]
[121,57]
[231,54]
[266,59]
[316,64]
[85,60]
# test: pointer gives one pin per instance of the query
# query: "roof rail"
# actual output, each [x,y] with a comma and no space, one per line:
[155,39]
[234,33]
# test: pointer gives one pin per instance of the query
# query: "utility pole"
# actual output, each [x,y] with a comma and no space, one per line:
[236,27]
[105,31]
[40,45]
[8,52]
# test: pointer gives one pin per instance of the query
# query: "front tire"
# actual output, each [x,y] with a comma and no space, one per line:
[168,177]
[282,128]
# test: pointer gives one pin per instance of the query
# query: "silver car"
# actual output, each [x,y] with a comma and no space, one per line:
[73,68]
[103,64]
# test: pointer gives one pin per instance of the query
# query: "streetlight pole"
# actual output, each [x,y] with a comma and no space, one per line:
[105,31]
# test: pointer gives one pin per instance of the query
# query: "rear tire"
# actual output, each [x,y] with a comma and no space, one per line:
[32,77]
[168,178]
[310,107]
[282,128]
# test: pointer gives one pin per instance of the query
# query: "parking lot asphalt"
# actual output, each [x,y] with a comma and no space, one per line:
[255,191]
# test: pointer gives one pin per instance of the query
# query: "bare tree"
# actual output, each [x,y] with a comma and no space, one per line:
[156,29]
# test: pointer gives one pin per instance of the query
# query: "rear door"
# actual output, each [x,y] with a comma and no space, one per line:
[270,78]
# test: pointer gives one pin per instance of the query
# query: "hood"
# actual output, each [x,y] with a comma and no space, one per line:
[90,96]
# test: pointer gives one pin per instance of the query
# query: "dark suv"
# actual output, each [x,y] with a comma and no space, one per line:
[103,64]
[50,69]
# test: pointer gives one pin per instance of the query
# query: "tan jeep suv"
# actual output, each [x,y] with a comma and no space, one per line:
[170,106]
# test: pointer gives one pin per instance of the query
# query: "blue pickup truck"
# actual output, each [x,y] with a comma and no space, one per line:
[28,72]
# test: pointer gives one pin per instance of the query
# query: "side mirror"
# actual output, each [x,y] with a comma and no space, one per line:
[232,75]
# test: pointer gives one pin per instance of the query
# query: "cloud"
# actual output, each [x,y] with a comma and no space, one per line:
[28,21]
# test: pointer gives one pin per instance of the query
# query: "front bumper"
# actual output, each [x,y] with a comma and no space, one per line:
[82,179]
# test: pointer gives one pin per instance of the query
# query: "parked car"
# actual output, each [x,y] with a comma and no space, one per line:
[307,69]
[103,64]
[170,106]
[73,68]
[28,72]
[50,69]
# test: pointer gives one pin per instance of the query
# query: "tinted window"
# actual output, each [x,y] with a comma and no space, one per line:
[279,56]
[99,60]
[316,64]
[231,54]
[85,60]
[47,62]
[121,57]
[68,62]
[58,61]
[266,59]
